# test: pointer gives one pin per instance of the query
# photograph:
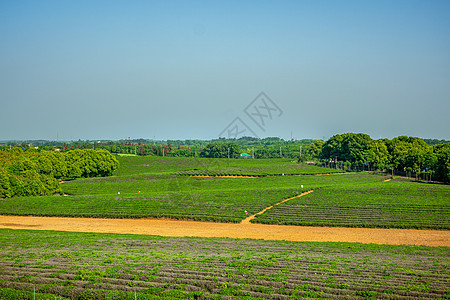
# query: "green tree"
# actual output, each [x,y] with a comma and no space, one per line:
[351,147]
[5,185]
[443,162]
[408,152]
[220,150]
[378,155]
[355,146]
[332,148]
[315,149]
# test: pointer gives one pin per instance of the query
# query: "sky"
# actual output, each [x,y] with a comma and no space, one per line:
[163,70]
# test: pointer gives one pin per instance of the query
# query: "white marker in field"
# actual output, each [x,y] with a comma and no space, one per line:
[118,193]
[302,185]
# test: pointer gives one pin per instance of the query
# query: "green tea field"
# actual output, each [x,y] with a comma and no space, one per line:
[159,187]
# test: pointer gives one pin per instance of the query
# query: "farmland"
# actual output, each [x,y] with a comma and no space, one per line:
[393,204]
[109,266]
[205,166]
[69,265]
[161,187]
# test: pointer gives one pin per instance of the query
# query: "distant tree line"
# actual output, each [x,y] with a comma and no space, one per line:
[33,172]
[403,153]
[220,148]
[271,147]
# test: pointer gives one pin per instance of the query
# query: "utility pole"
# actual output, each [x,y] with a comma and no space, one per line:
[300,151]
[228,153]
[280,153]
[253,152]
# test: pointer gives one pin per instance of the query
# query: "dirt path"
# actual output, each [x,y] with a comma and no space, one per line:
[247,220]
[226,176]
[256,176]
[251,231]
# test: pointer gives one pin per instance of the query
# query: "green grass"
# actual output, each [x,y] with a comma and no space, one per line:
[158,187]
[113,266]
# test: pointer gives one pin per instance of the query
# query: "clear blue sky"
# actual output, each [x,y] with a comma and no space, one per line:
[186,69]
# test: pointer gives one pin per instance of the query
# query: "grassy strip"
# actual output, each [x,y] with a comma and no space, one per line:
[113,266]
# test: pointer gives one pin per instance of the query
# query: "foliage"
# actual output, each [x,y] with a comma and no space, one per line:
[377,154]
[262,148]
[347,147]
[36,173]
[220,150]
[403,153]
[443,162]
[315,149]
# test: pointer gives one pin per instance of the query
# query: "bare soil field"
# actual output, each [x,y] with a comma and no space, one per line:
[176,228]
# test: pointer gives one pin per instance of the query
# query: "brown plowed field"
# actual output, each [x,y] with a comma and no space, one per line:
[251,231]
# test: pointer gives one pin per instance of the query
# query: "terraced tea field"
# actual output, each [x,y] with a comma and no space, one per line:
[207,166]
[154,187]
[108,266]
[394,204]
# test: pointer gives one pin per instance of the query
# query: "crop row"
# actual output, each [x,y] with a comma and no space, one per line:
[109,266]
[151,164]
[223,206]
[256,173]
[350,200]
[149,187]
[132,184]
[394,204]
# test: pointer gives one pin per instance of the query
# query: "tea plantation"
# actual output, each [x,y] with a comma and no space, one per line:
[163,187]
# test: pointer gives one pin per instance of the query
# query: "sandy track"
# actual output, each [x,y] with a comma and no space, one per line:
[251,231]
[247,220]
[256,176]
[225,176]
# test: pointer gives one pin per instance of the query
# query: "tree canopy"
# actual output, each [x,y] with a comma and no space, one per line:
[32,172]
[403,153]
